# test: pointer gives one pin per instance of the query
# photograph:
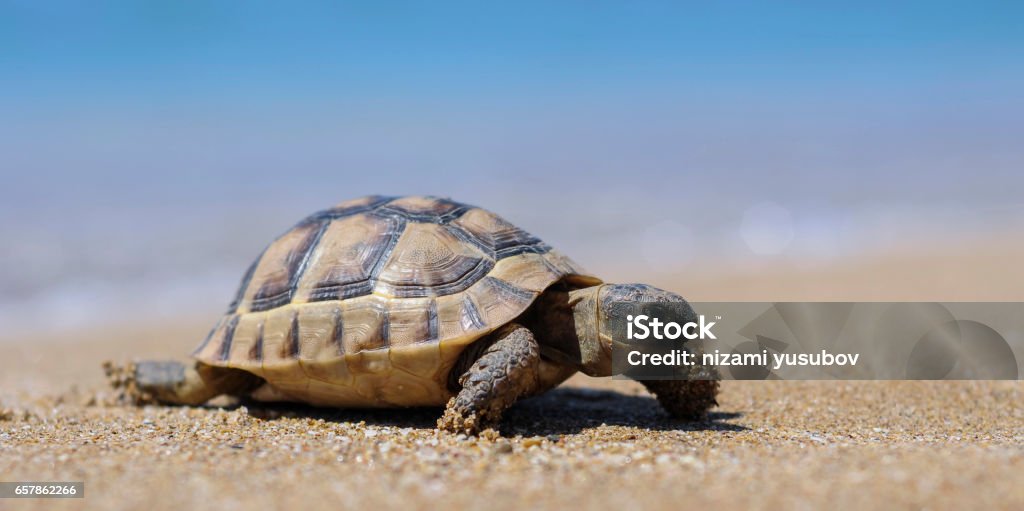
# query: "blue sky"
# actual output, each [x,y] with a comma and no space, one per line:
[64,52]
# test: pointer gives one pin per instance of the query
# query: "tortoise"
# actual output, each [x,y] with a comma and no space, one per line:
[411,301]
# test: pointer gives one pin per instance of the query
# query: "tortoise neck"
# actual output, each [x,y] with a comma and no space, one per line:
[595,352]
[565,323]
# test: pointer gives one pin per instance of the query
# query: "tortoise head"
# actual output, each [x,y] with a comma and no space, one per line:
[595,313]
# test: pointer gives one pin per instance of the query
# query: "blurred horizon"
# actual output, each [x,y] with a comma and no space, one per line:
[153,148]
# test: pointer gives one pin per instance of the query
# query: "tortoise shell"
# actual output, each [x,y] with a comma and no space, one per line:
[371,302]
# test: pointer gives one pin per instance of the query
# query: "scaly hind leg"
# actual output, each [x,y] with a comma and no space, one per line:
[173,382]
[506,370]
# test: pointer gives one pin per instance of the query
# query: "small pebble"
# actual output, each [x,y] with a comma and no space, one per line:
[532,441]
[502,447]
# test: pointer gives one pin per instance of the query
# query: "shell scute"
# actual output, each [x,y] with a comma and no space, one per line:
[411,322]
[364,324]
[499,236]
[422,360]
[280,346]
[316,329]
[343,262]
[246,344]
[497,301]
[429,260]
[273,280]
[458,317]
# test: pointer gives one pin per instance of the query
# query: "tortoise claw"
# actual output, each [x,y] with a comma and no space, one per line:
[454,421]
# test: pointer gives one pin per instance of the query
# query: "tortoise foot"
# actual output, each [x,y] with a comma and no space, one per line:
[686,399]
[122,378]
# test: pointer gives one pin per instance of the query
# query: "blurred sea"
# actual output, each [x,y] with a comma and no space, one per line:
[158,214]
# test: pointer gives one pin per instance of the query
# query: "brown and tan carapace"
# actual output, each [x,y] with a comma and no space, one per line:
[411,301]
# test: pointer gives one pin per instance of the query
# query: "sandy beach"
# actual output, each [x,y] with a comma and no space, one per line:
[593,443]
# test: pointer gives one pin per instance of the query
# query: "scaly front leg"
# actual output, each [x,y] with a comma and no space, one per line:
[508,369]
